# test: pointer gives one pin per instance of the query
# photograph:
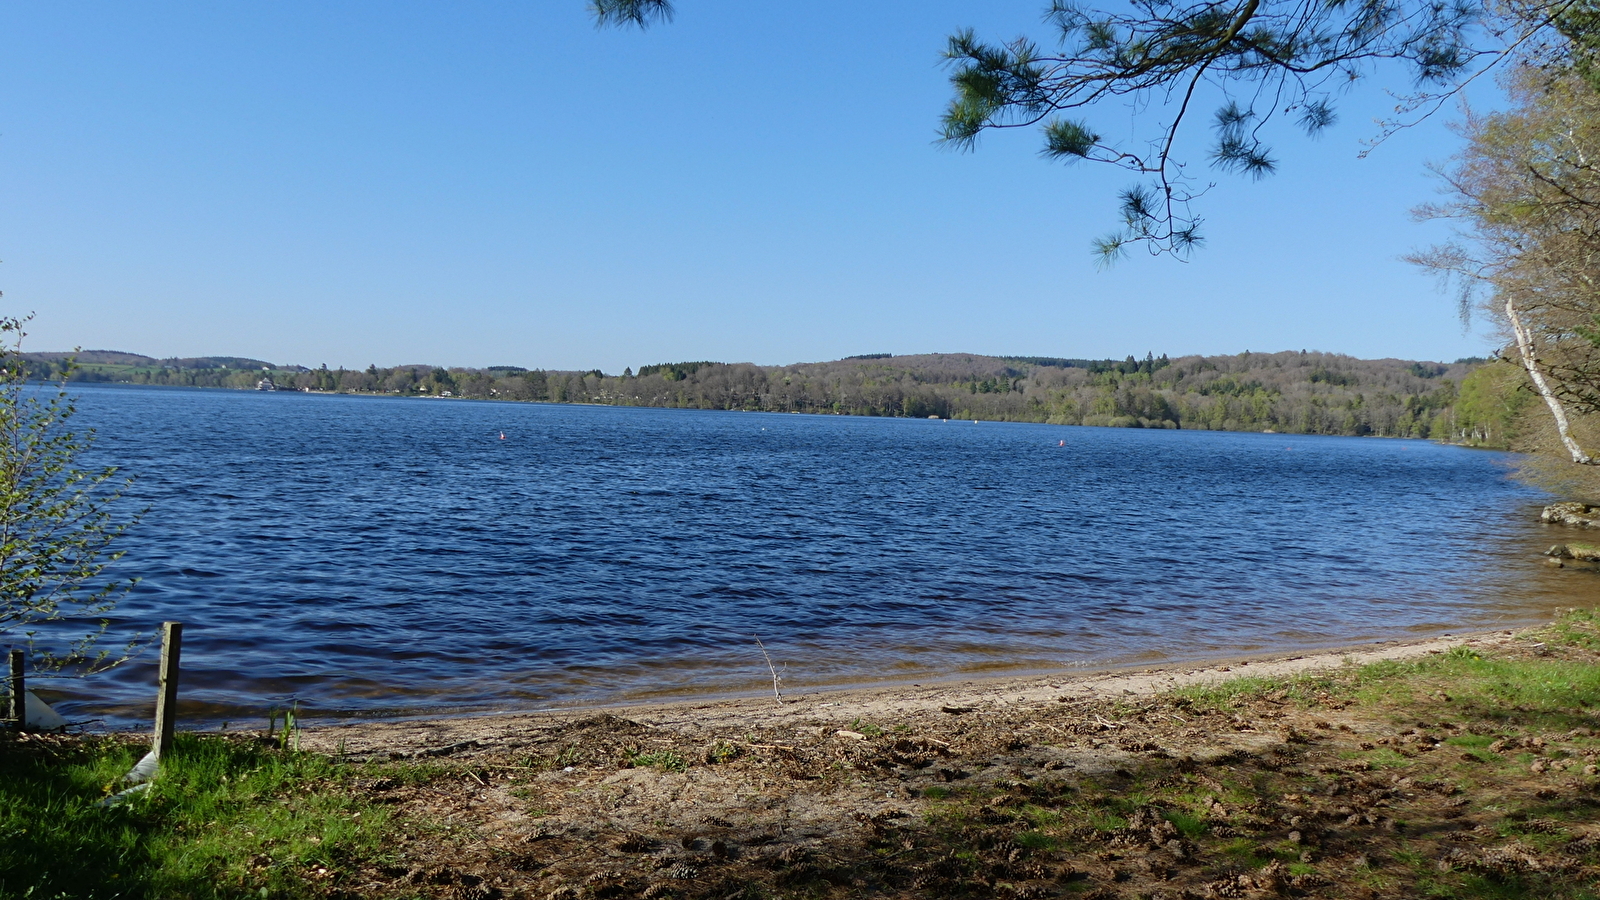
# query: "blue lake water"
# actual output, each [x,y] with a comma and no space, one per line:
[376,556]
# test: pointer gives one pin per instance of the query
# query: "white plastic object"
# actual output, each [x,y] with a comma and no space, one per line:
[144,770]
[140,776]
[39,716]
[122,797]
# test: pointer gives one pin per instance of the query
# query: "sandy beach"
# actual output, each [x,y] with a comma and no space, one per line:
[1377,772]
[815,709]
[1055,785]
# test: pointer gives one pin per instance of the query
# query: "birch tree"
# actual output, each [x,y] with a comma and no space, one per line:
[1525,195]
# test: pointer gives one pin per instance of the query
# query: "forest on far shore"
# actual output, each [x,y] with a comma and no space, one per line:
[1468,401]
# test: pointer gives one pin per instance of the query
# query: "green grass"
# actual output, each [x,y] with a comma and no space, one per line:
[866,728]
[1578,628]
[1040,816]
[1223,695]
[1542,693]
[1384,758]
[415,773]
[1549,693]
[224,819]
[1102,820]
[1190,826]
[1036,840]
[664,760]
[1302,690]
[1245,851]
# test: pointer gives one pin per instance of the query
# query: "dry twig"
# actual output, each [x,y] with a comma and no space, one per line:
[773,669]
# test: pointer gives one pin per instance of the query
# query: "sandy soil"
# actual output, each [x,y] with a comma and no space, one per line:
[423,737]
[1105,786]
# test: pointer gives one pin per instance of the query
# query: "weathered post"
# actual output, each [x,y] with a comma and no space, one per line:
[19,695]
[167,699]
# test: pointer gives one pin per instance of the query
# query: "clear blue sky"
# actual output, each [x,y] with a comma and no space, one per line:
[499,183]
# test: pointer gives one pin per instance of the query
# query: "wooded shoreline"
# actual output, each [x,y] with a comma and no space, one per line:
[1469,402]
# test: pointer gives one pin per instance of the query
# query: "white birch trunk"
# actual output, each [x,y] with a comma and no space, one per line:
[1559,412]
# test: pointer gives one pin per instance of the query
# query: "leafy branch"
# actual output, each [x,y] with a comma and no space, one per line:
[56,522]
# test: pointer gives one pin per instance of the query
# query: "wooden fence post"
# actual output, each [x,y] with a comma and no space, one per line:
[167,699]
[19,690]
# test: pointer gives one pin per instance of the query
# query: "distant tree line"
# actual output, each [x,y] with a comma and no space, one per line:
[1291,392]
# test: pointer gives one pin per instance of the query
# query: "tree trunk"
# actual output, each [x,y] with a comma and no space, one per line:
[1557,411]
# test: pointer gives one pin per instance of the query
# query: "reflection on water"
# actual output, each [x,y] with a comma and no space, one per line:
[379,556]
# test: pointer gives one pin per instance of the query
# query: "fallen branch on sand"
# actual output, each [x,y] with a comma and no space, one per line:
[771,668]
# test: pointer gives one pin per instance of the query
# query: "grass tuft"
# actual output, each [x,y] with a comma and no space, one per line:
[225,817]
[663,760]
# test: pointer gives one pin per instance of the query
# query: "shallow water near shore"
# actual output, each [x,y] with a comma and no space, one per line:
[377,556]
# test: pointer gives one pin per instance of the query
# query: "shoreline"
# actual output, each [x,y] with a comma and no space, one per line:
[785,412]
[422,736]
[1380,772]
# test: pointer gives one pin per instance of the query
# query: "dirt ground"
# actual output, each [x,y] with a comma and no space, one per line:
[983,698]
[1111,786]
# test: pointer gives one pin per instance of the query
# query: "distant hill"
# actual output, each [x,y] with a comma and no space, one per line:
[217,362]
[118,358]
[1292,391]
[101,357]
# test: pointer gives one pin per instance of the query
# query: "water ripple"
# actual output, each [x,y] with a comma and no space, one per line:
[379,556]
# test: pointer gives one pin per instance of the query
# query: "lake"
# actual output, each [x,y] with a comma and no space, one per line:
[385,556]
